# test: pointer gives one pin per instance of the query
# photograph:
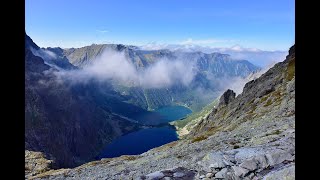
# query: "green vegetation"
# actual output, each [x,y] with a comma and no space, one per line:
[268,103]
[277,98]
[130,158]
[225,111]
[277,94]
[253,109]
[212,130]
[291,70]
[264,98]
[199,138]
[196,115]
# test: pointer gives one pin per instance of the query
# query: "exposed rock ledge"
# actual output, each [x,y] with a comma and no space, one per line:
[244,163]
[36,163]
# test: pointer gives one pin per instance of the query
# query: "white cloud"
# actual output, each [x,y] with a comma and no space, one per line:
[165,73]
[114,66]
[44,53]
[47,55]
[256,56]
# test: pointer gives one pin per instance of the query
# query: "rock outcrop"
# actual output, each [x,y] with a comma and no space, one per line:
[251,137]
[36,163]
[174,173]
[226,98]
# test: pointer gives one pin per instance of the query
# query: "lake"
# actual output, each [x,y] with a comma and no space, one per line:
[141,141]
[162,115]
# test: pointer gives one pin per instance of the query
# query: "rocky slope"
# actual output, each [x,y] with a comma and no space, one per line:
[185,125]
[66,123]
[248,136]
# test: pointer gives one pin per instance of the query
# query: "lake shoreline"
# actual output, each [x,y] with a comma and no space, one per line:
[149,136]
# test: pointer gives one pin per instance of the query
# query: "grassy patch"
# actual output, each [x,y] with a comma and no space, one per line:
[264,98]
[252,110]
[277,98]
[196,115]
[277,94]
[93,163]
[224,112]
[268,103]
[130,158]
[199,138]
[291,70]
[212,130]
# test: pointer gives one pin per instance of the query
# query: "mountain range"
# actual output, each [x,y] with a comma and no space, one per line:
[210,73]
[70,121]
[246,136]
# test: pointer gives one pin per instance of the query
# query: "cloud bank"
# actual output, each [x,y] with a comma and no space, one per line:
[44,54]
[116,67]
[255,56]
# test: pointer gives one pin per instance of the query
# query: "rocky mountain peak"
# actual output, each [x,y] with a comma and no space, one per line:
[227,97]
[29,43]
[292,51]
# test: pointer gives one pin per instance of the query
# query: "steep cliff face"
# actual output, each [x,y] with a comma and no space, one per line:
[249,136]
[52,57]
[64,122]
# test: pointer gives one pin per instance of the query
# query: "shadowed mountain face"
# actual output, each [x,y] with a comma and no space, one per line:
[66,122]
[50,57]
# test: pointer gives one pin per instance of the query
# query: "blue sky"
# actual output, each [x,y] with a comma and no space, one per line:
[263,24]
